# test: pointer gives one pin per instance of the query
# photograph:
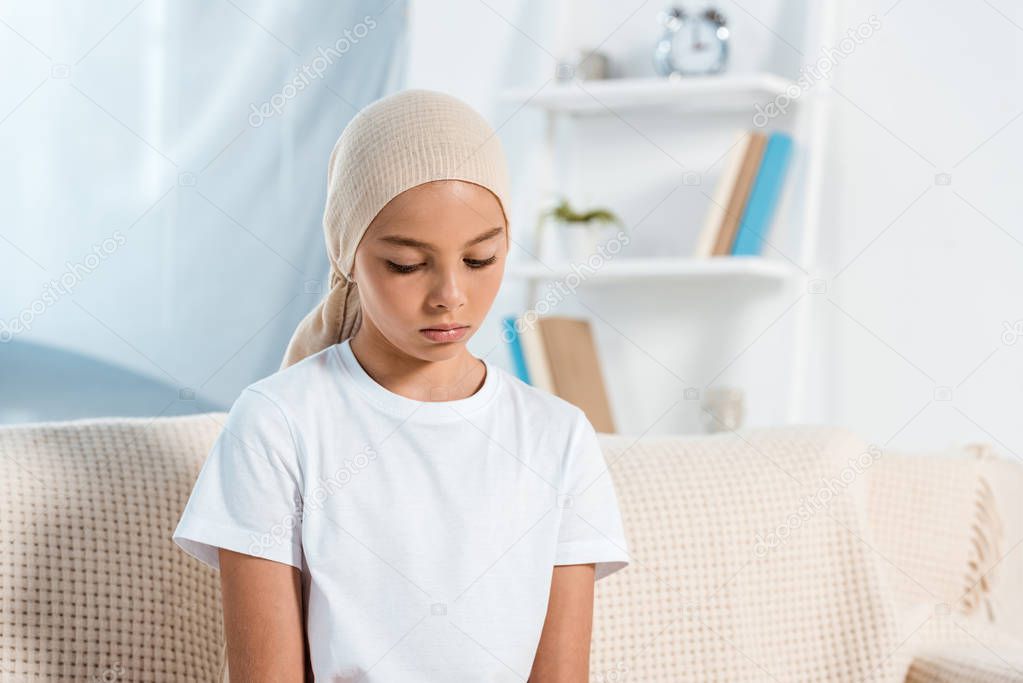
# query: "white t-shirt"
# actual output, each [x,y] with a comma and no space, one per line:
[426,532]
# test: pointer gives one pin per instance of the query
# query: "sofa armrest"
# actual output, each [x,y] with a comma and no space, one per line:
[964,663]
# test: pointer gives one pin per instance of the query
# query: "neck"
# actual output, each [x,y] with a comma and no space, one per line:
[420,378]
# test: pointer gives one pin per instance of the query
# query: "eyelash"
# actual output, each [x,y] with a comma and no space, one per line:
[472,263]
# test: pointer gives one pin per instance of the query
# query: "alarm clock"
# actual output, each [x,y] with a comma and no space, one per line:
[692,44]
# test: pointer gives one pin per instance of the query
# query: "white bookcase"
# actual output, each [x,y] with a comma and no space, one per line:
[797,218]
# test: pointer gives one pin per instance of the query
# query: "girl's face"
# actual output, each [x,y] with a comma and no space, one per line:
[433,257]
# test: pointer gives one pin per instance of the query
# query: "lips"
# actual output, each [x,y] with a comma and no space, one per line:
[445,328]
[445,333]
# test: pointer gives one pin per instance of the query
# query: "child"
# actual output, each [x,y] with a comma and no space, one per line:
[386,506]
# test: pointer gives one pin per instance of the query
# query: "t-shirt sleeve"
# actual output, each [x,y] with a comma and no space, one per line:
[248,496]
[591,522]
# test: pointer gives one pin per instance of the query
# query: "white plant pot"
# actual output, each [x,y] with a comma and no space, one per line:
[561,241]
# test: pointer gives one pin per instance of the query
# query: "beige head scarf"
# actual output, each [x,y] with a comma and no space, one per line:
[395,143]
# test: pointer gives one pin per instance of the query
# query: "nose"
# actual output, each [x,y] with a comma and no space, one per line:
[448,289]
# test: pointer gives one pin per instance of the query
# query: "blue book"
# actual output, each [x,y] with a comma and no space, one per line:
[764,195]
[515,347]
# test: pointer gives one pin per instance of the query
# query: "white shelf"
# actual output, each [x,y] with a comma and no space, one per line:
[690,93]
[750,269]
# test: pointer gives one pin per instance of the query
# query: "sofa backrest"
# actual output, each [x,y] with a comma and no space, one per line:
[92,587]
[750,554]
[750,561]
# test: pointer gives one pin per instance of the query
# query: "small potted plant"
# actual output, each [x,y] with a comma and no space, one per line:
[563,233]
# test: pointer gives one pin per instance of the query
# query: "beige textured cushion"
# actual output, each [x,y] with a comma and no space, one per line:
[950,529]
[965,663]
[699,603]
[91,585]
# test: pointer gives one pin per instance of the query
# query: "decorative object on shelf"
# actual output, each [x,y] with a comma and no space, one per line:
[723,409]
[692,44]
[564,234]
[584,65]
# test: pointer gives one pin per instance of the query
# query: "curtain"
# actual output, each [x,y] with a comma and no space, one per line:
[162,196]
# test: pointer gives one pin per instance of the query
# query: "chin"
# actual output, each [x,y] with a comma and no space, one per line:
[442,350]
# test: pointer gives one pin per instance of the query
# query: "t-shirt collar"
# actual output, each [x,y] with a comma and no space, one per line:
[408,408]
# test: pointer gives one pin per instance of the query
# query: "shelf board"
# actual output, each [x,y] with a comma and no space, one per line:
[698,271]
[689,93]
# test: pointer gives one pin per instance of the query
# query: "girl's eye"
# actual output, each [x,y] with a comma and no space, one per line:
[476,263]
[472,263]
[399,268]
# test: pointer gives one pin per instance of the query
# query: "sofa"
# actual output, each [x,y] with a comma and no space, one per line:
[795,553]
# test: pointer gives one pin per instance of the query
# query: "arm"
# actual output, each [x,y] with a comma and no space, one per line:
[263,619]
[563,655]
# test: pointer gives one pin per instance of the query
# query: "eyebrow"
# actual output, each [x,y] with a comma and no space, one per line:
[409,242]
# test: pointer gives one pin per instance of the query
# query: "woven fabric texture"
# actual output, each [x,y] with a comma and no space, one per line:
[947,526]
[936,523]
[91,585]
[965,663]
[753,559]
[750,562]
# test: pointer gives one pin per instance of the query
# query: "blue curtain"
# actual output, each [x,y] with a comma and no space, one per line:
[163,190]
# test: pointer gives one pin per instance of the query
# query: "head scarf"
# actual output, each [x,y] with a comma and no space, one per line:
[393,144]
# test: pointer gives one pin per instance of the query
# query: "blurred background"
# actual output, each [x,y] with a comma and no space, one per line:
[165,174]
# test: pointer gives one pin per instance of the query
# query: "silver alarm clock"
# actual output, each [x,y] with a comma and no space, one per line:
[692,44]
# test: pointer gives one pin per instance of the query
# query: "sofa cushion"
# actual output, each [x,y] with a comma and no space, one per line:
[751,560]
[91,585]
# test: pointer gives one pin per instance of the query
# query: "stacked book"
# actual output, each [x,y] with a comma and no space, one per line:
[746,195]
[558,354]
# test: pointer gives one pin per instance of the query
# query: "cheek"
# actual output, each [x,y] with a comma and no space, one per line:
[489,284]
[397,294]
[387,297]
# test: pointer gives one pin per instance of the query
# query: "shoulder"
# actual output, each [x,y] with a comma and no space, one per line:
[267,414]
[289,388]
[273,408]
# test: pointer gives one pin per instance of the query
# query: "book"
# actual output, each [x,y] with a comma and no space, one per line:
[743,185]
[574,367]
[535,355]
[515,348]
[717,210]
[763,196]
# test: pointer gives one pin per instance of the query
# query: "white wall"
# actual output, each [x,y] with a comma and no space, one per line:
[919,275]
[927,274]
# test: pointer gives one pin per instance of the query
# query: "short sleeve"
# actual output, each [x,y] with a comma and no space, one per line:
[248,496]
[591,522]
